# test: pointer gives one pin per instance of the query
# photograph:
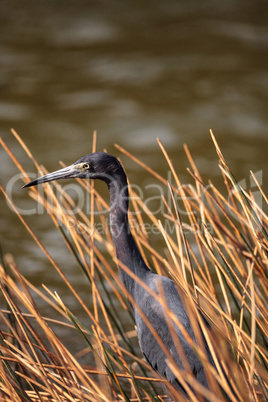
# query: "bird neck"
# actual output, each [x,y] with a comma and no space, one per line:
[126,249]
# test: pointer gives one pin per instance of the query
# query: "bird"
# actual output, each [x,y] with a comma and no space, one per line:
[146,307]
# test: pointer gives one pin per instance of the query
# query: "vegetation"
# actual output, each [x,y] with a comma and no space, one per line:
[217,255]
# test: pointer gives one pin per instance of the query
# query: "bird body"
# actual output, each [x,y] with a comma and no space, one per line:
[157,316]
[107,168]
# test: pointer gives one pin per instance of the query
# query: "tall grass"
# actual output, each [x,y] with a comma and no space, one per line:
[217,255]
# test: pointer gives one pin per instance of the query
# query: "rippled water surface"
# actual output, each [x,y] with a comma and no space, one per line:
[133,71]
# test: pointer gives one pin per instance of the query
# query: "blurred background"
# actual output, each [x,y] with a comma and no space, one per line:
[133,71]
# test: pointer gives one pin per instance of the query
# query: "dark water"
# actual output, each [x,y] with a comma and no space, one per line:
[133,71]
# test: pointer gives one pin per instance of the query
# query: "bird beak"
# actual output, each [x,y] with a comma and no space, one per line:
[65,173]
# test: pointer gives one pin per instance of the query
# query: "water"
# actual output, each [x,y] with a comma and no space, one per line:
[134,72]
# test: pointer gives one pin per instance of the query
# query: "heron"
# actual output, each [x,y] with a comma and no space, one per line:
[105,167]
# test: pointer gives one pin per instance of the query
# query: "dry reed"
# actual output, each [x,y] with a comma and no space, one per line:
[217,256]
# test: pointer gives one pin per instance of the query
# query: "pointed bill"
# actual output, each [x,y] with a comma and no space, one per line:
[65,173]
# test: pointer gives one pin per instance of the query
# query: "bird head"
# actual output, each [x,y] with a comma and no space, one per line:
[98,165]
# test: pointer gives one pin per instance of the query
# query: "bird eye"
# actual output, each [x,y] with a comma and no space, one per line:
[86,166]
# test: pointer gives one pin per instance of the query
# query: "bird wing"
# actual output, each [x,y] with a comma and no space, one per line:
[157,317]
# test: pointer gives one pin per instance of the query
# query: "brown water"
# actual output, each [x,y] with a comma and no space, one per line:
[133,71]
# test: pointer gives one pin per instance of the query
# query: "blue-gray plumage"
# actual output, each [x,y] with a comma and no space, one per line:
[107,168]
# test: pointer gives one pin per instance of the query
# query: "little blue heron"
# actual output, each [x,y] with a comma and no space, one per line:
[105,167]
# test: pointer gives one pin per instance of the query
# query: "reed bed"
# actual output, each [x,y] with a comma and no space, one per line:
[216,254]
